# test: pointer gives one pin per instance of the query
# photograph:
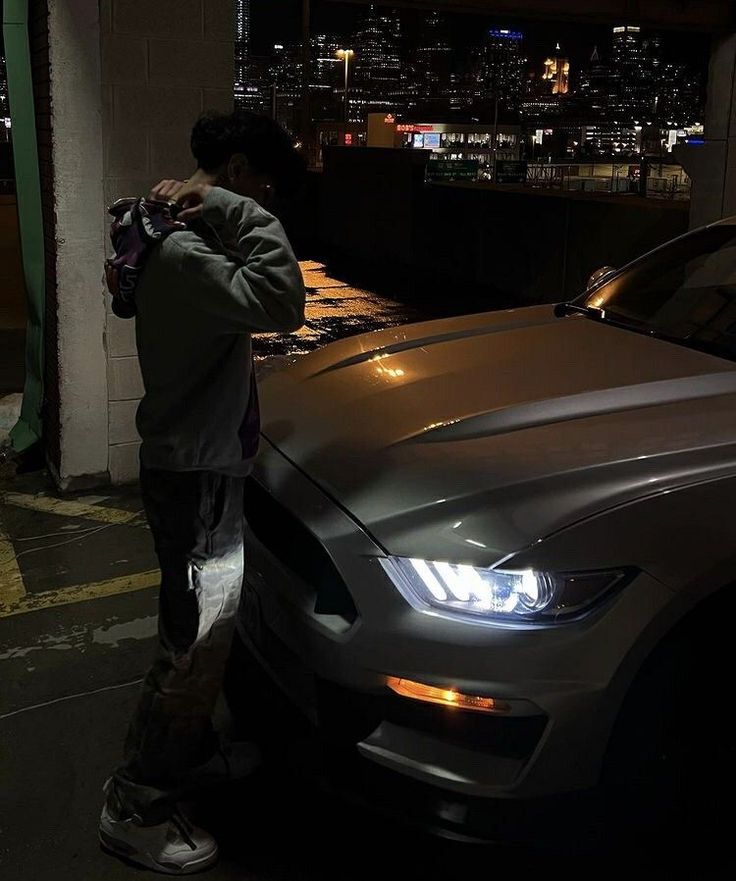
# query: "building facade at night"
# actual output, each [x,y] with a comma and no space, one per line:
[557,72]
[376,77]
[284,84]
[620,95]
[679,95]
[637,86]
[242,38]
[428,76]
[421,72]
[504,66]
[471,142]
[246,88]
[594,85]
[547,87]
[4,106]
[629,93]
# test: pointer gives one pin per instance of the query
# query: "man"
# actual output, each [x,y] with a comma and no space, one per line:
[204,291]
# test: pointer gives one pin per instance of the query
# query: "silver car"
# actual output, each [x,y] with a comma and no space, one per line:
[492,557]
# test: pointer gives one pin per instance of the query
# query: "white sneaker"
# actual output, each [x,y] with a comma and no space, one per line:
[175,847]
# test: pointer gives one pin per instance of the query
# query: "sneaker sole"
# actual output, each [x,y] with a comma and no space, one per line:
[131,855]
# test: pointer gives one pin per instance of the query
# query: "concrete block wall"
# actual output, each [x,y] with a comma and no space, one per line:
[75,406]
[163,63]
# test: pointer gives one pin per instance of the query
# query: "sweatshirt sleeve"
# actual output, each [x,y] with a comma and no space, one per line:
[263,291]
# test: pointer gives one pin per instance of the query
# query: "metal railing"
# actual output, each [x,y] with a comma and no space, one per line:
[570,178]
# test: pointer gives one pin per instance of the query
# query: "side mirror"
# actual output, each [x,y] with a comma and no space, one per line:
[597,277]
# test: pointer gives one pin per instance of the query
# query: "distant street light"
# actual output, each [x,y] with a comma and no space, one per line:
[346,55]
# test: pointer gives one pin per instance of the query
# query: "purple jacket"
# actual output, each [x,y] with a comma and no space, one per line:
[138,225]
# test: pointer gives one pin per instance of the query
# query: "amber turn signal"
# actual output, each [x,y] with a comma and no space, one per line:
[446,697]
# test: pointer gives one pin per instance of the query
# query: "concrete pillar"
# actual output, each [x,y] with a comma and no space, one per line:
[76,154]
[163,63]
[712,164]
[127,81]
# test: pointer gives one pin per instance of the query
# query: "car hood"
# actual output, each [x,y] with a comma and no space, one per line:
[477,436]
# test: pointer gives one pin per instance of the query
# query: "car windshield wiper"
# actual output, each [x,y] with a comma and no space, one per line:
[627,323]
[642,327]
[562,309]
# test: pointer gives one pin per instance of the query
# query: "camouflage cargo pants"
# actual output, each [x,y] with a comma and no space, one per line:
[196,519]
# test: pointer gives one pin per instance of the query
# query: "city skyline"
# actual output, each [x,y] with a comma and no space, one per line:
[416,68]
[436,66]
[280,21]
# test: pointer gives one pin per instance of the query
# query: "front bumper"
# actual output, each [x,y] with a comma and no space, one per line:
[325,752]
[329,627]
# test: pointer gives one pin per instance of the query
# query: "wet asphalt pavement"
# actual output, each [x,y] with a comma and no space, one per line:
[77,630]
[335,309]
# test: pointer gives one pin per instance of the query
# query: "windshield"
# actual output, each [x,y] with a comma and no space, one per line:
[684,292]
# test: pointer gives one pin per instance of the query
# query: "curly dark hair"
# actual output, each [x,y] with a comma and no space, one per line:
[267,146]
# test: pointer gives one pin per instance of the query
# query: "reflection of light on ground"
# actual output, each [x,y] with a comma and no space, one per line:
[334,310]
[318,280]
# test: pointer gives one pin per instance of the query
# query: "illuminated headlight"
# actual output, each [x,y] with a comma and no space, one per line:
[462,591]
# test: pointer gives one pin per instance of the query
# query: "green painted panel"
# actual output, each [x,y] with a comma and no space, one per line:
[28,186]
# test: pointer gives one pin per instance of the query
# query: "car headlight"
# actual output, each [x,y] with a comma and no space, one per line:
[462,591]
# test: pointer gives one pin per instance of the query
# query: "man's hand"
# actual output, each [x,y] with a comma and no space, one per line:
[190,197]
[166,190]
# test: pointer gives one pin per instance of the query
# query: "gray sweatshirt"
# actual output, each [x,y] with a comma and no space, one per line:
[203,293]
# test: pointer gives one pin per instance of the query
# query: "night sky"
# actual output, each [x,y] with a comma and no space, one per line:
[274,21]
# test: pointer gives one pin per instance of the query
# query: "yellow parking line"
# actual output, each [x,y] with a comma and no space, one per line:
[12,589]
[29,602]
[70,508]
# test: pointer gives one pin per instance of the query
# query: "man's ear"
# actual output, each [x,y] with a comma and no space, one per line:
[237,166]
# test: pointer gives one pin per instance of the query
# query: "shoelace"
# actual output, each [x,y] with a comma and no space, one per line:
[184,827]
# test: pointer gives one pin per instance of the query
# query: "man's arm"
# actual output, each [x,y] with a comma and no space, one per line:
[264,292]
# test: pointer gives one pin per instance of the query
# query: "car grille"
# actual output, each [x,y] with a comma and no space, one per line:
[289,540]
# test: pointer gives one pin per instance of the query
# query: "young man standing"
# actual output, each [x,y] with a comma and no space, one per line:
[204,291]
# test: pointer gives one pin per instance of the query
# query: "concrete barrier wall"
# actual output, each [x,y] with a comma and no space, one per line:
[486,246]
[368,204]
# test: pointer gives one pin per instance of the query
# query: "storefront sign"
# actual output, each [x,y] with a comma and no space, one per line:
[452,169]
[510,171]
[411,128]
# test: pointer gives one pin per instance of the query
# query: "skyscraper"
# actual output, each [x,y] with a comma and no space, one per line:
[377,71]
[4,104]
[557,72]
[504,67]
[431,60]
[595,86]
[242,39]
[248,88]
[631,94]
[547,86]
[679,96]
[326,66]
[285,83]
[469,81]
[326,82]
